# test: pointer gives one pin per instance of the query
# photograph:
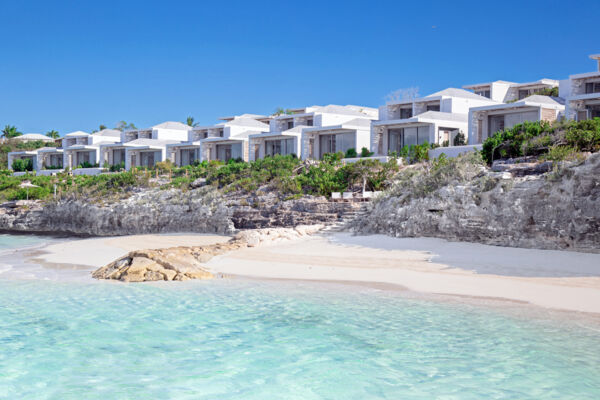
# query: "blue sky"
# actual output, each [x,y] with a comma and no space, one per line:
[72,65]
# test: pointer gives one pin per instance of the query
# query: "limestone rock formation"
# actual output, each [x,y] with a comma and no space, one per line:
[559,209]
[184,263]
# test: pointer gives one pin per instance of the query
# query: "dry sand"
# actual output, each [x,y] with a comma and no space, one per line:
[553,279]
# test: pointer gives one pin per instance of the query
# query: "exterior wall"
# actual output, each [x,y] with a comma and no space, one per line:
[260,142]
[170,134]
[99,139]
[479,120]
[499,91]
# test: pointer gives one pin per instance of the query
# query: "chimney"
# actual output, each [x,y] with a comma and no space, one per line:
[597,58]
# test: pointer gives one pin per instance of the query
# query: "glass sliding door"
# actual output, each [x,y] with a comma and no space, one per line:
[279,146]
[224,152]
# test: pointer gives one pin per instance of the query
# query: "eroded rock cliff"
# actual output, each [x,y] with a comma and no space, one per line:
[559,209]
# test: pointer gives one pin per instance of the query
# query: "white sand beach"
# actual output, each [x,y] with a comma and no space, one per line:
[553,279]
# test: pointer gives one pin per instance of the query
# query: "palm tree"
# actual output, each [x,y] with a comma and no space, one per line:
[190,121]
[10,132]
[53,134]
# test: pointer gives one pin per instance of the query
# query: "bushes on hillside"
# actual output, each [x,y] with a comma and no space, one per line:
[537,138]
[21,165]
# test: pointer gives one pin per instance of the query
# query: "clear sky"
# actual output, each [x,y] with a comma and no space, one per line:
[72,65]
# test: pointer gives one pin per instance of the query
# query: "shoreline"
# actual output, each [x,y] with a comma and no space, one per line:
[557,280]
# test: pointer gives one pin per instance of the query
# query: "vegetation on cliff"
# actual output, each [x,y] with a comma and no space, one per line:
[561,140]
[288,175]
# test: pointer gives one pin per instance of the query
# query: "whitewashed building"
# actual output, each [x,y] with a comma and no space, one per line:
[436,118]
[485,121]
[81,149]
[33,137]
[144,147]
[223,141]
[504,91]
[582,94]
[300,131]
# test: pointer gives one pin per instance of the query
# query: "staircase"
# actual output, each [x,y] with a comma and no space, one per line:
[355,210]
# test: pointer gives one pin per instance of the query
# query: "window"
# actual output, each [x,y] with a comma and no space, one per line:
[484,93]
[290,124]
[523,93]
[592,87]
[309,122]
[405,113]
[496,124]
[433,107]
[398,138]
[280,146]
[221,133]
[118,156]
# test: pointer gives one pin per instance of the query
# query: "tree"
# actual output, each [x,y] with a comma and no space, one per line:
[10,131]
[124,126]
[53,134]
[402,95]
[190,121]
[282,111]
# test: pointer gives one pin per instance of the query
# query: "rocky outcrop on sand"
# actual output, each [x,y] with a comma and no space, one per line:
[533,208]
[184,263]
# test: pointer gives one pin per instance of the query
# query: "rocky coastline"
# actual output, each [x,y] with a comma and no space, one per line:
[517,203]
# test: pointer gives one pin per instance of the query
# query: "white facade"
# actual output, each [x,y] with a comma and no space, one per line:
[294,133]
[504,92]
[81,148]
[143,147]
[318,141]
[582,94]
[223,141]
[485,121]
[436,118]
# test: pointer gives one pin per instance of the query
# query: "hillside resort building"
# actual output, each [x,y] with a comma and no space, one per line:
[456,119]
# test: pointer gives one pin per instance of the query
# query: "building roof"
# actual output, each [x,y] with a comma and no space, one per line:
[478,85]
[249,122]
[531,101]
[543,81]
[77,134]
[426,117]
[171,125]
[253,116]
[108,133]
[149,143]
[454,92]
[34,136]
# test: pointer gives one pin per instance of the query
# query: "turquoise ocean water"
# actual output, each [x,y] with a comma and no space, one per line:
[235,339]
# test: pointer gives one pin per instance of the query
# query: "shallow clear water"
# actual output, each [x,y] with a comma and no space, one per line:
[17,241]
[227,339]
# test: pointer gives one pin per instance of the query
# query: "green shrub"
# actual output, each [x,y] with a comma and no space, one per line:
[351,153]
[537,138]
[364,152]
[459,139]
[22,164]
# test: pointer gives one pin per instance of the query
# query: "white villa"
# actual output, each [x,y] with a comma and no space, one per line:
[484,121]
[300,132]
[582,94]
[81,148]
[143,147]
[33,137]
[224,141]
[436,118]
[503,91]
